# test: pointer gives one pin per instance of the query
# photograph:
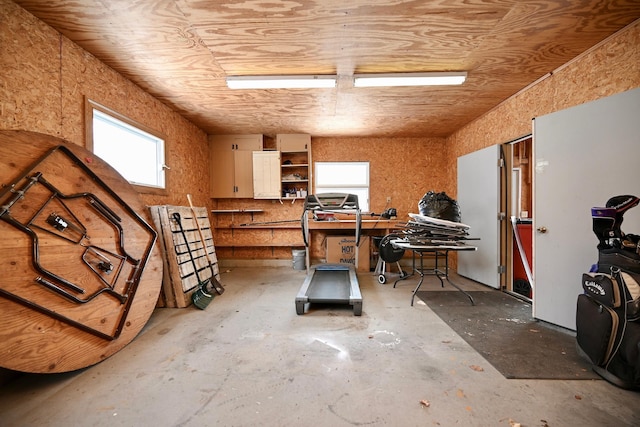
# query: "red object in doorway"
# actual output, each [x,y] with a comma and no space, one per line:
[519,272]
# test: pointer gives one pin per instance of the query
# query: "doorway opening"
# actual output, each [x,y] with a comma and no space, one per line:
[516,189]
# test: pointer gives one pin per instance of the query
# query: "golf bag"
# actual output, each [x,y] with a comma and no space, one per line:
[608,312]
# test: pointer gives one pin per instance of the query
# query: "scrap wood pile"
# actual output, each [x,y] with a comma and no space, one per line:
[191,265]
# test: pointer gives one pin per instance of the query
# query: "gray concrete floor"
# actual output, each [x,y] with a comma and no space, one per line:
[248,360]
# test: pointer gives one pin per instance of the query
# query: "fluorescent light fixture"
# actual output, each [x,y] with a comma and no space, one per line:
[281,82]
[409,79]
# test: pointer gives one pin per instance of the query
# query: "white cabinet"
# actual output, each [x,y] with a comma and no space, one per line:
[231,163]
[266,175]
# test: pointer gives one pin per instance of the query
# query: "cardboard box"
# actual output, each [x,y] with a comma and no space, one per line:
[341,250]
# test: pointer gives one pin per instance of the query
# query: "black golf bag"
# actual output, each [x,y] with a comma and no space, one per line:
[608,312]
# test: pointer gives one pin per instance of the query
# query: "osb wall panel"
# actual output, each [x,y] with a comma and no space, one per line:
[272,210]
[45,80]
[266,236]
[285,213]
[30,77]
[611,68]
[402,168]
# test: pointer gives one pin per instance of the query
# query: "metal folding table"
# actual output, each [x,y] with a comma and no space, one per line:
[439,252]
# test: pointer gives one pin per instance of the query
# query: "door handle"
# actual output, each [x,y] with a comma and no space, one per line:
[542,229]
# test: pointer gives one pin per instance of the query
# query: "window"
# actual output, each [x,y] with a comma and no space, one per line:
[344,177]
[130,148]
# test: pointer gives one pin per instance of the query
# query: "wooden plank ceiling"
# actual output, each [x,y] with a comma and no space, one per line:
[181,51]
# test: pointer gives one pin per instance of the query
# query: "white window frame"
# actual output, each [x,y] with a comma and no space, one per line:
[339,177]
[157,182]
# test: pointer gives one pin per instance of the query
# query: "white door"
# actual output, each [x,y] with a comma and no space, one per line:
[478,197]
[583,155]
[266,175]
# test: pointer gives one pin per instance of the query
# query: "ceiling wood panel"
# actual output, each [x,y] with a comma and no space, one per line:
[181,52]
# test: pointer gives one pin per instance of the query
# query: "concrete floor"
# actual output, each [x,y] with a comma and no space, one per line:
[248,360]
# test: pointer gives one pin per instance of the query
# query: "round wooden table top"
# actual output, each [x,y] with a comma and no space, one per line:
[80,270]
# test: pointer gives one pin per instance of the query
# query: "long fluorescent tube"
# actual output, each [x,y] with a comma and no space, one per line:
[281,82]
[409,79]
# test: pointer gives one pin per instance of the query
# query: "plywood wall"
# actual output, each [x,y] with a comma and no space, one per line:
[45,79]
[402,168]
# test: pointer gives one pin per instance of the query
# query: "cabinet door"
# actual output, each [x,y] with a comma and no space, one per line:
[243,174]
[231,164]
[251,142]
[293,142]
[248,142]
[222,175]
[266,174]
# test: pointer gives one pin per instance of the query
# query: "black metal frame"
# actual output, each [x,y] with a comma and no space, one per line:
[15,192]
